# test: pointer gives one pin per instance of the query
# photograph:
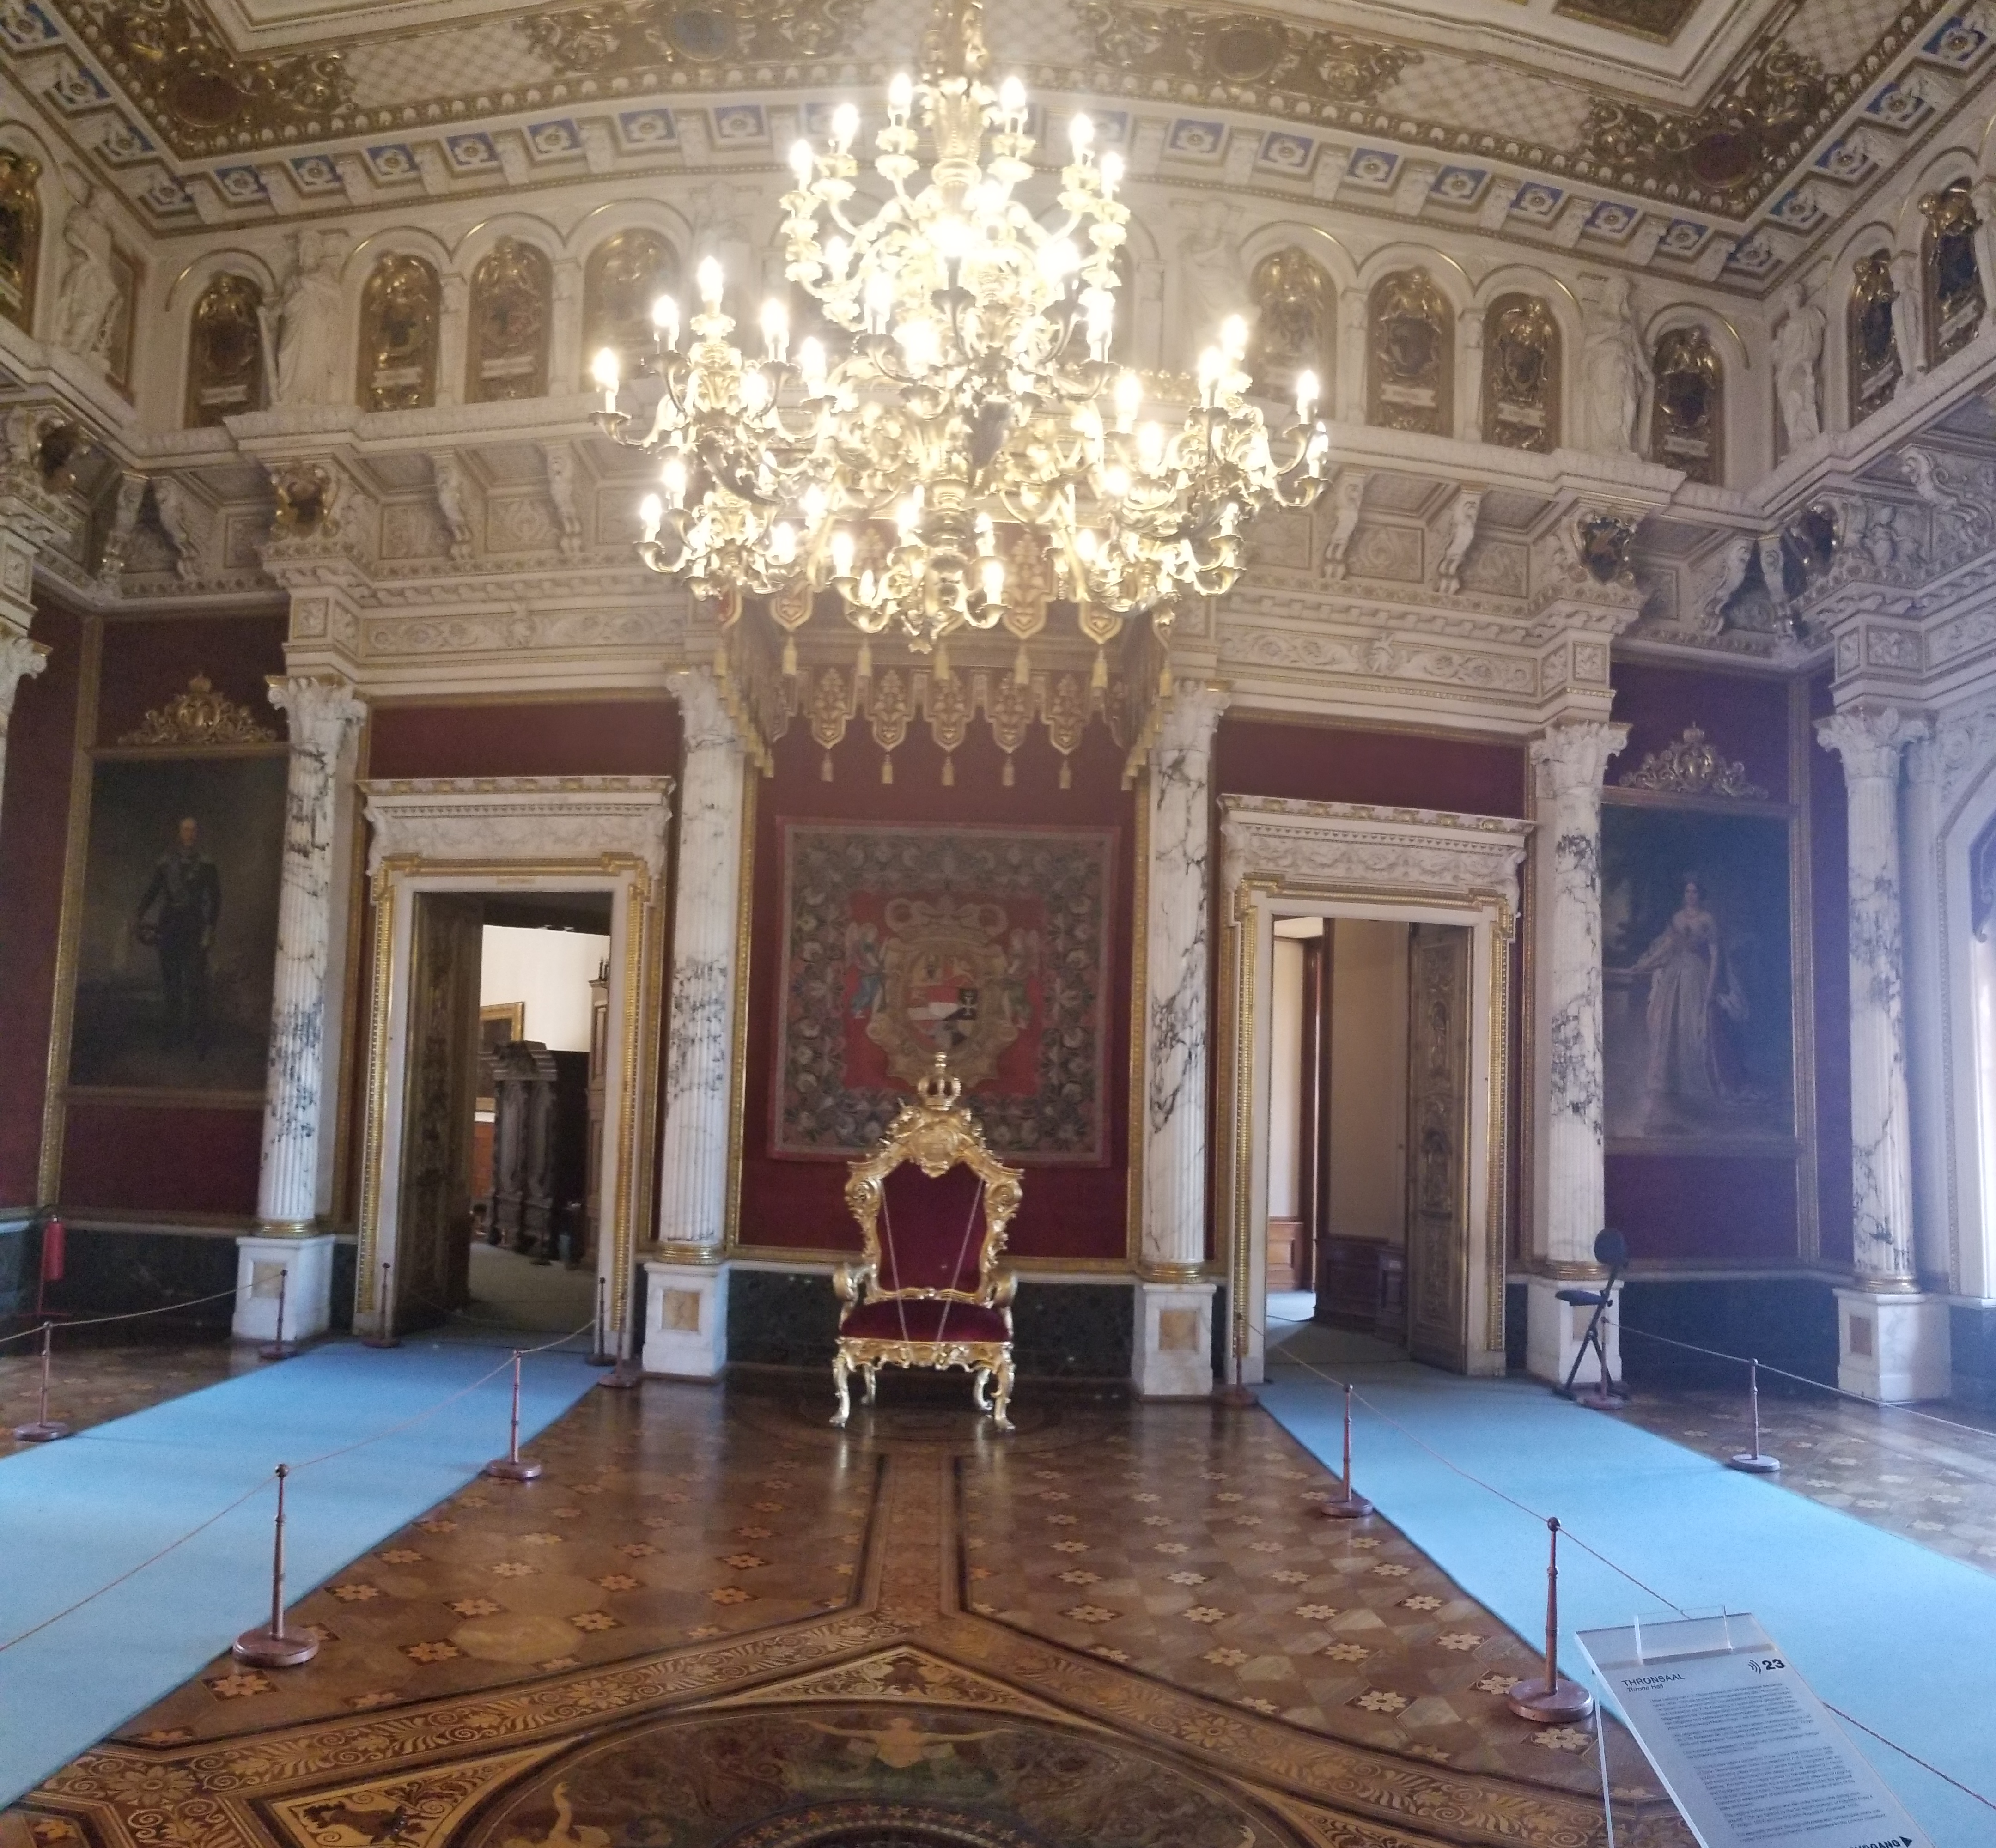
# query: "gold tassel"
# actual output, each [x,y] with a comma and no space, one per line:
[863,669]
[1067,774]
[789,657]
[824,769]
[887,768]
[1098,678]
[948,770]
[942,661]
[1022,668]
[1006,779]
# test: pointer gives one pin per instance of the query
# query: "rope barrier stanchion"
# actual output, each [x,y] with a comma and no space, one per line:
[270,1645]
[1346,1506]
[513,1466]
[1753,1462]
[44,1429]
[1550,1701]
[385,1336]
[280,1349]
[599,1355]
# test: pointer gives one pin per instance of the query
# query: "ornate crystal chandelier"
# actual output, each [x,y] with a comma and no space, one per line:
[957,448]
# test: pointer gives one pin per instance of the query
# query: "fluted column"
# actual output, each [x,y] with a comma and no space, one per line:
[1569,762]
[686,1316]
[1173,1346]
[299,1102]
[1889,1349]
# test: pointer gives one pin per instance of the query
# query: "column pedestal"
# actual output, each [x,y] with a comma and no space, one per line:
[1553,1330]
[1172,1357]
[686,1319]
[307,1263]
[1892,1345]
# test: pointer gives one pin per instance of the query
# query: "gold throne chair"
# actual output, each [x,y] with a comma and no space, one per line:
[933,1203]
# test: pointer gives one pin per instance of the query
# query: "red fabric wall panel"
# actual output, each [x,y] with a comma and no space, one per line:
[1733,1209]
[1068,1212]
[32,827]
[583,738]
[1338,763]
[161,1160]
[146,663]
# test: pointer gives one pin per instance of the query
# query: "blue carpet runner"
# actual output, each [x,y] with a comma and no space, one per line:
[1903,1638]
[73,1516]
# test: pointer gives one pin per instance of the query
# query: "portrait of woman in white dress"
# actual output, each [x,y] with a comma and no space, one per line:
[1694,1000]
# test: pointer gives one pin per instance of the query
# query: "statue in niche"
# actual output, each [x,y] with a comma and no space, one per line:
[1954,297]
[624,275]
[20,236]
[399,317]
[1869,331]
[1908,317]
[1687,418]
[87,316]
[511,290]
[1797,360]
[1615,373]
[1209,279]
[1521,375]
[1296,312]
[302,333]
[225,351]
[1410,356]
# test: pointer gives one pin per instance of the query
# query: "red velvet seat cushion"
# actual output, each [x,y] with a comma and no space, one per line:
[924,1321]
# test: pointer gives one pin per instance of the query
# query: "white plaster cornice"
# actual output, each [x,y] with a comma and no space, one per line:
[476,820]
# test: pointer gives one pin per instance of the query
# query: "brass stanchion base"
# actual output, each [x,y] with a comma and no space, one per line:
[380,1340]
[602,1357]
[1753,1464]
[1560,1705]
[44,1430]
[1599,1401]
[512,1469]
[263,1647]
[1347,1507]
[623,1376]
[277,1351]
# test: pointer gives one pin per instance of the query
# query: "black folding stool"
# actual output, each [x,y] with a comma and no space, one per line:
[1611,1249]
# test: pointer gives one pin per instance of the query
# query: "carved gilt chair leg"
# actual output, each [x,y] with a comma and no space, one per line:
[1004,1399]
[842,1376]
[980,1383]
[873,1374]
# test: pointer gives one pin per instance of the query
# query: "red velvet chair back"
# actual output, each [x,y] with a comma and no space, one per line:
[932,1230]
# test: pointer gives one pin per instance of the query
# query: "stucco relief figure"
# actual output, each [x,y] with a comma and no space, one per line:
[1908,302]
[1211,285]
[1797,362]
[1695,999]
[1347,498]
[302,331]
[87,311]
[1614,371]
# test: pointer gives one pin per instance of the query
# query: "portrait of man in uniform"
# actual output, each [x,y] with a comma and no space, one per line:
[178,915]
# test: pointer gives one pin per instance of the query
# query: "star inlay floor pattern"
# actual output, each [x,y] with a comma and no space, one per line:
[1153,1580]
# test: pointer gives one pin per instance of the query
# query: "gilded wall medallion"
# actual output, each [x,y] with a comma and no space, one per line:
[1410,356]
[1875,357]
[512,291]
[398,335]
[1688,424]
[624,275]
[20,236]
[1295,322]
[1954,290]
[1521,375]
[226,372]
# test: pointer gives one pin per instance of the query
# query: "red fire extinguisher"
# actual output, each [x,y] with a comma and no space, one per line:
[54,1242]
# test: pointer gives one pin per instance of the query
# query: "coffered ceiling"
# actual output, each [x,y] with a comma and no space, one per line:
[1724,139]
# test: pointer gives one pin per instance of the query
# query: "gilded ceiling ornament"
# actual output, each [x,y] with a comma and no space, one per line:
[1690,766]
[225,371]
[1241,49]
[173,60]
[1411,355]
[306,496]
[1295,322]
[1954,304]
[1727,152]
[398,335]
[652,34]
[200,716]
[1687,422]
[1875,369]
[20,236]
[512,295]
[1602,543]
[1521,375]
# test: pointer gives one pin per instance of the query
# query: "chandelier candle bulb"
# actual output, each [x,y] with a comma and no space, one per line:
[711,280]
[605,370]
[665,321]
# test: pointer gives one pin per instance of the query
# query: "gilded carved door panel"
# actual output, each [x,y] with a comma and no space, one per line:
[1438,1018]
[433,1244]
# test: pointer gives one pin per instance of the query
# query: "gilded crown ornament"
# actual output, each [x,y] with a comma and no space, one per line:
[959,432]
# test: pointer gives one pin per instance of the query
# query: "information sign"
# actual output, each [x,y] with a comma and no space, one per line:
[1751,1756]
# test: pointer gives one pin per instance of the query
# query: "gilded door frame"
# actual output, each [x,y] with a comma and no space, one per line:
[1323,859]
[513,858]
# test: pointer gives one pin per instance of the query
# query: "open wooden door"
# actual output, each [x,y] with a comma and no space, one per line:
[1437,1146]
[433,1246]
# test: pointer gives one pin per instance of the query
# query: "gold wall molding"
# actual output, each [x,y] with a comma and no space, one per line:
[1691,766]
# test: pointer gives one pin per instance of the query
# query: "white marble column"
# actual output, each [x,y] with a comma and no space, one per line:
[299,1094]
[19,659]
[1568,763]
[1892,1340]
[686,1318]
[1173,1346]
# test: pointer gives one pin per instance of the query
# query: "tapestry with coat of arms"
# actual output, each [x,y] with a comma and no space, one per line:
[990,944]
